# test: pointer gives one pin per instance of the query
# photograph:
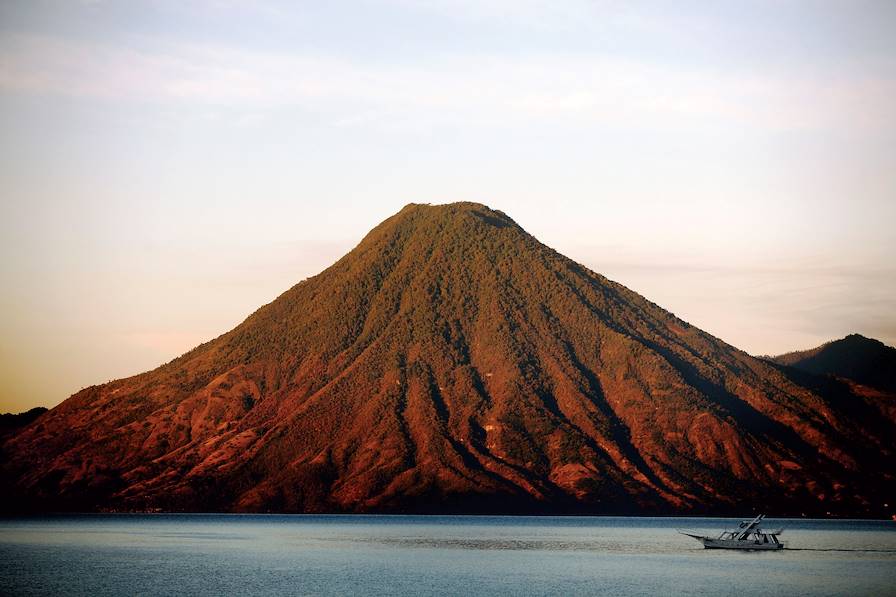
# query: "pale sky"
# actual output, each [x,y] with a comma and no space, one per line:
[167,167]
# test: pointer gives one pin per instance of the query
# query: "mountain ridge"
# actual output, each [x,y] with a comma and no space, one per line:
[864,360]
[452,363]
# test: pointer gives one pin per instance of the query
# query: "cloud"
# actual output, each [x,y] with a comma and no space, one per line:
[472,89]
[532,14]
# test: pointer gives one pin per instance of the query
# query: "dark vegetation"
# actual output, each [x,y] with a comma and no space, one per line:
[452,363]
[10,422]
[863,360]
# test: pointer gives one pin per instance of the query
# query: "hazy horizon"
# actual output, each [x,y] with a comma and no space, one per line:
[167,169]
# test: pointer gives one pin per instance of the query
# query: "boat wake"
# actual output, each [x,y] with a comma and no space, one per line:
[836,549]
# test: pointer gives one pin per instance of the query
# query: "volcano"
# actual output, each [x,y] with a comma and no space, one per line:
[453,363]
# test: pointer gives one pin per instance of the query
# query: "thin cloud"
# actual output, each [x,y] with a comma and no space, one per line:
[762,309]
[484,90]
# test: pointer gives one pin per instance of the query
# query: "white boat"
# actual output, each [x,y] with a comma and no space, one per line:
[747,535]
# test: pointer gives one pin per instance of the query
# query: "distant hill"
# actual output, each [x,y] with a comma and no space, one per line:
[10,422]
[863,360]
[452,363]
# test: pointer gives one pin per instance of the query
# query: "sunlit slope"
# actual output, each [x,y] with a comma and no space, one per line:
[451,362]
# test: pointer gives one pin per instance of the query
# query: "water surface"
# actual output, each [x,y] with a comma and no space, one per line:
[387,555]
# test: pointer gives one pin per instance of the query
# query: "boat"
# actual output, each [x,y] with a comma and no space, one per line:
[747,535]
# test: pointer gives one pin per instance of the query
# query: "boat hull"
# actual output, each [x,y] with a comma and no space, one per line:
[751,545]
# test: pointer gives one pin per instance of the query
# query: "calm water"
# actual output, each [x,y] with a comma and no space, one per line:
[455,555]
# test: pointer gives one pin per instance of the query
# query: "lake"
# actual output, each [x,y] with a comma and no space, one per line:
[432,555]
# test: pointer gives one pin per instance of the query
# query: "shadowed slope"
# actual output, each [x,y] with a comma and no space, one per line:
[451,362]
[863,360]
[12,422]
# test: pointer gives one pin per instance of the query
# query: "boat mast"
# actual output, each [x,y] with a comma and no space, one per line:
[750,526]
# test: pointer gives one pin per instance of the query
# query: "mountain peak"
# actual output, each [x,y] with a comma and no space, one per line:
[856,338]
[452,209]
[461,212]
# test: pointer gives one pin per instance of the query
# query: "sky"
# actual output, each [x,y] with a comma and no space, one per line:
[167,167]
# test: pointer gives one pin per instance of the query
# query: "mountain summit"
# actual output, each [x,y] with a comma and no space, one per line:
[453,363]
